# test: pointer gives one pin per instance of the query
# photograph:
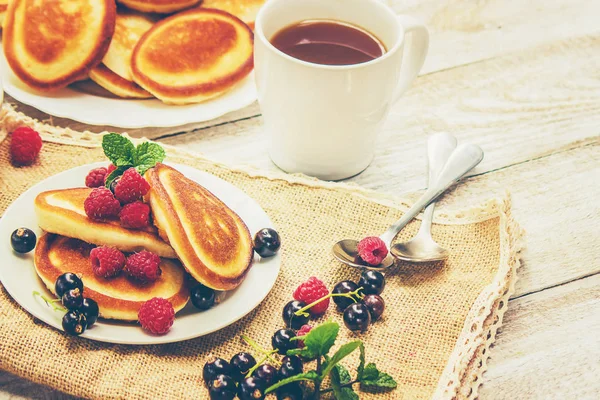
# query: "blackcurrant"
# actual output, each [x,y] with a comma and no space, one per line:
[343,287]
[357,317]
[372,282]
[214,367]
[222,387]
[291,391]
[375,304]
[281,341]
[90,309]
[290,366]
[74,323]
[289,314]
[266,242]
[23,240]
[267,373]
[66,282]
[113,184]
[240,364]
[202,297]
[72,299]
[252,389]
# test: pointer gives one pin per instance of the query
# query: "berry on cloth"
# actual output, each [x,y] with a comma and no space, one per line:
[372,250]
[157,316]
[310,291]
[101,204]
[95,178]
[131,187]
[302,332]
[25,145]
[135,215]
[106,261]
[144,266]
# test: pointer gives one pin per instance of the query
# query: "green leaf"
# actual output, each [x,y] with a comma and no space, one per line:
[342,373]
[118,149]
[361,366]
[340,376]
[294,352]
[146,155]
[342,352]
[373,378]
[307,376]
[321,338]
[115,174]
[370,372]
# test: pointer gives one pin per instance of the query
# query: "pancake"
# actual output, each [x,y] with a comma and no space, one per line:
[117,85]
[118,298]
[211,241]
[193,56]
[62,212]
[159,6]
[246,10]
[49,44]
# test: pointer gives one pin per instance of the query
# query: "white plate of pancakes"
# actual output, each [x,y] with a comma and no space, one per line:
[145,63]
[22,274]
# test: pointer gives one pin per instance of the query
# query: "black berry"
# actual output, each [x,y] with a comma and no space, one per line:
[222,387]
[23,240]
[66,282]
[289,314]
[343,287]
[291,391]
[252,389]
[72,299]
[202,297]
[90,309]
[214,367]
[113,184]
[74,323]
[240,364]
[375,304]
[357,317]
[266,242]
[290,366]
[372,282]
[267,373]
[281,340]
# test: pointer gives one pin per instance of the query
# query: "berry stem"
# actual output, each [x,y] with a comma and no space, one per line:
[256,347]
[349,384]
[356,293]
[318,380]
[50,302]
[262,360]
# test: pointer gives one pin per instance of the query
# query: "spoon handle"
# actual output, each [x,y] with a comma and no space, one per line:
[462,160]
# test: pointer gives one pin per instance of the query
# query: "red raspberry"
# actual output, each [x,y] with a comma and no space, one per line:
[135,215]
[311,290]
[157,315]
[106,261]
[302,332]
[25,145]
[144,266]
[372,250]
[95,178]
[131,187]
[101,204]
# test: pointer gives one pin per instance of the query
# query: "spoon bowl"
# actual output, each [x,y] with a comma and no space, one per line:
[419,249]
[346,251]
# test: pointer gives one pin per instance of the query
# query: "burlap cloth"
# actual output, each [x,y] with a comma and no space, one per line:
[435,335]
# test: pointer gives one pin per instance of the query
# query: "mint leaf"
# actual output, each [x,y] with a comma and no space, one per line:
[115,174]
[361,366]
[370,372]
[320,339]
[339,371]
[118,149]
[342,352]
[373,378]
[307,376]
[340,376]
[146,155]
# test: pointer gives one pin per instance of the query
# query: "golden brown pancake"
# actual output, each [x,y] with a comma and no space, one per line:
[118,298]
[49,44]
[212,242]
[159,6]
[61,212]
[246,10]
[193,56]
[117,85]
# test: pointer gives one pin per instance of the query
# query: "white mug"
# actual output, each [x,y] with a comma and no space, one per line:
[322,120]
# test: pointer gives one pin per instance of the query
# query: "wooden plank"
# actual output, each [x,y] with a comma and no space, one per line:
[548,346]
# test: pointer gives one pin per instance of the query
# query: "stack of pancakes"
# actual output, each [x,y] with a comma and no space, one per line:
[194,230]
[181,53]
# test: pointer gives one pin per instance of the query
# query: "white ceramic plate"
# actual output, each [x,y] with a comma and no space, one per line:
[123,113]
[18,275]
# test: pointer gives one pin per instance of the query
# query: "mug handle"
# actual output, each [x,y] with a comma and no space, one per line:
[414,55]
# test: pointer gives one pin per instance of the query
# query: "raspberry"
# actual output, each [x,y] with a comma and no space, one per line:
[135,215]
[25,145]
[156,315]
[131,187]
[101,204]
[144,266]
[95,178]
[311,290]
[106,261]
[302,332]
[372,250]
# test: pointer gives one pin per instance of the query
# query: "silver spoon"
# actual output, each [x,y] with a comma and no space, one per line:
[422,247]
[464,158]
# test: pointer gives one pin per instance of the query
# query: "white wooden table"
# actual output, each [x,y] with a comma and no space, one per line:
[521,79]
